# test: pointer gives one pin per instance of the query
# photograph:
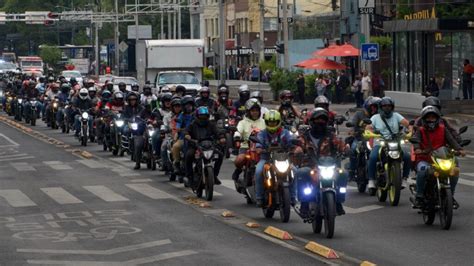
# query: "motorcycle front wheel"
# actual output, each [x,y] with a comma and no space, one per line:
[329,215]
[395,184]
[285,205]
[268,211]
[446,208]
[209,186]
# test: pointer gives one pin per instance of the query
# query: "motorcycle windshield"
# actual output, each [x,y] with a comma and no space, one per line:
[442,153]
[206,145]
[280,156]
[326,161]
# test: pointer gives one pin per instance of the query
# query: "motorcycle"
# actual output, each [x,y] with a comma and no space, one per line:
[362,157]
[206,154]
[438,197]
[389,164]
[229,125]
[65,124]
[277,177]
[9,103]
[19,109]
[114,138]
[246,184]
[84,132]
[53,113]
[32,113]
[148,157]
[164,163]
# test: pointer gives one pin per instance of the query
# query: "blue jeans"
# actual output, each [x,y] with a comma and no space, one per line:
[353,158]
[374,156]
[259,190]
[421,173]
[156,143]
[341,182]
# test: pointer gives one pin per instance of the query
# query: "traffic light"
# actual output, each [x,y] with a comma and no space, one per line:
[280,48]
[52,17]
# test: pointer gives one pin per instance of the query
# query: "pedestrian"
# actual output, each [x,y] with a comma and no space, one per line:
[468,70]
[342,83]
[320,85]
[432,89]
[376,85]
[255,72]
[231,73]
[357,90]
[366,84]
[301,87]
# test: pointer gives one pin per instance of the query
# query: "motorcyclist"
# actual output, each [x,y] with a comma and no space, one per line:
[431,135]
[75,85]
[81,103]
[148,97]
[289,113]
[135,87]
[131,110]
[387,123]
[51,94]
[273,134]
[202,129]
[93,95]
[165,106]
[224,104]
[183,120]
[251,122]
[244,95]
[32,93]
[63,98]
[118,103]
[371,107]
[180,90]
[102,109]
[149,117]
[89,83]
[321,141]
[258,95]
[323,102]
[206,100]
[122,87]
[169,121]
[41,86]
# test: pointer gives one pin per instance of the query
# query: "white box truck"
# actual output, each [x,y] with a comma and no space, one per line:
[171,62]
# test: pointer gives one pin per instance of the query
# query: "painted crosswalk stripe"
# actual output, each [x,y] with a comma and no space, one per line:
[149,191]
[16,198]
[60,195]
[23,167]
[15,155]
[17,158]
[92,164]
[181,186]
[57,165]
[105,193]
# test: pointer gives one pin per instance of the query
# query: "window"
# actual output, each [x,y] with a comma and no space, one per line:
[270,24]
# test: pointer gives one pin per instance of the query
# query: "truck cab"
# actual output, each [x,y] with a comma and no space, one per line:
[174,78]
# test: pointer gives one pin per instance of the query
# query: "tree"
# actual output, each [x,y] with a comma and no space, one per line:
[50,55]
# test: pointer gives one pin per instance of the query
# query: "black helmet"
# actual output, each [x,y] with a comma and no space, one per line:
[370,102]
[50,79]
[176,101]
[65,87]
[32,84]
[180,89]
[384,102]
[321,101]
[132,95]
[286,97]
[257,95]
[433,101]
[122,85]
[72,80]
[118,95]
[106,94]
[318,112]
[135,87]
[205,90]
[147,90]
[166,97]
[430,110]
[223,89]
[188,99]
[244,93]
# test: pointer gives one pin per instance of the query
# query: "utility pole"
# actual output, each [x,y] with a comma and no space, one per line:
[162,26]
[179,19]
[97,50]
[286,56]
[222,66]
[262,31]
[174,19]
[117,35]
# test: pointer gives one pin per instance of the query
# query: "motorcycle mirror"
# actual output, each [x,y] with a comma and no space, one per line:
[349,124]
[465,142]
[367,121]
[463,129]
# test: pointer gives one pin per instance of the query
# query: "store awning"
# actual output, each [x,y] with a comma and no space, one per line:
[434,25]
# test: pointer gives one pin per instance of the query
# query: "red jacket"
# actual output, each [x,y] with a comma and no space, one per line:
[430,141]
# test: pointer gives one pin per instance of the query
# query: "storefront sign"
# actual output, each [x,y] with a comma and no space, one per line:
[247,51]
[423,14]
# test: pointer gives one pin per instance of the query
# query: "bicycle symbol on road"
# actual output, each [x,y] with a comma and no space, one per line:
[99,233]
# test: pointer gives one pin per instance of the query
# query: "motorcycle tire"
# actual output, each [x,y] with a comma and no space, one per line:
[268,212]
[63,128]
[381,194]
[67,129]
[446,208]
[104,146]
[361,187]
[330,215]
[33,122]
[372,191]
[429,217]
[172,177]
[361,180]
[91,138]
[153,165]
[122,152]
[115,151]
[395,184]
[317,223]
[285,205]
[209,186]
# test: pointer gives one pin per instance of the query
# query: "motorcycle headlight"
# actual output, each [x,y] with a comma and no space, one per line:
[1,93]
[445,165]
[55,105]
[382,143]
[208,154]
[282,166]
[85,115]
[134,126]
[402,142]
[151,132]
[20,100]
[33,102]
[9,98]
[327,172]
[392,146]
[394,154]
[307,190]
[119,123]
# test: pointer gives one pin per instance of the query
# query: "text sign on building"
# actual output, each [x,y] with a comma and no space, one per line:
[370,51]
[366,6]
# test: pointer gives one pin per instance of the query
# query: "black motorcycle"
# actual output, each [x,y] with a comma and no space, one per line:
[206,154]
[362,157]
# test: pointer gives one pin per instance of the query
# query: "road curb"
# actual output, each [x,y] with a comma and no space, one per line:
[321,250]
[278,233]
[367,263]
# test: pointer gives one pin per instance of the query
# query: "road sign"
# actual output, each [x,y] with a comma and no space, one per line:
[123,46]
[366,6]
[257,45]
[370,51]
[289,11]
[36,17]
[290,20]
[144,31]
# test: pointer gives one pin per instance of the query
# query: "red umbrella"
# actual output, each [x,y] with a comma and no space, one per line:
[308,62]
[326,64]
[338,50]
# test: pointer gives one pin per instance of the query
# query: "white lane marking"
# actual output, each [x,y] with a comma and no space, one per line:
[466,182]
[368,208]
[13,155]
[22,167]
[129,174]
[181,186]
[16,159]
[57,165]
[60,195]
[111,251]
[149,191]
[228,184]
[141,180]
[13,143]
[92,164]
[16,198]
[160,257]
[105,193]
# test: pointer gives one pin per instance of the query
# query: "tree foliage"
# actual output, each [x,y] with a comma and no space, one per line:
[50,55]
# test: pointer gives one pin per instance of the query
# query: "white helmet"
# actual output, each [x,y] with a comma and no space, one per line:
[83,93]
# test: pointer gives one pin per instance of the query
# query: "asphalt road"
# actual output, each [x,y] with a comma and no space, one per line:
[59,208]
